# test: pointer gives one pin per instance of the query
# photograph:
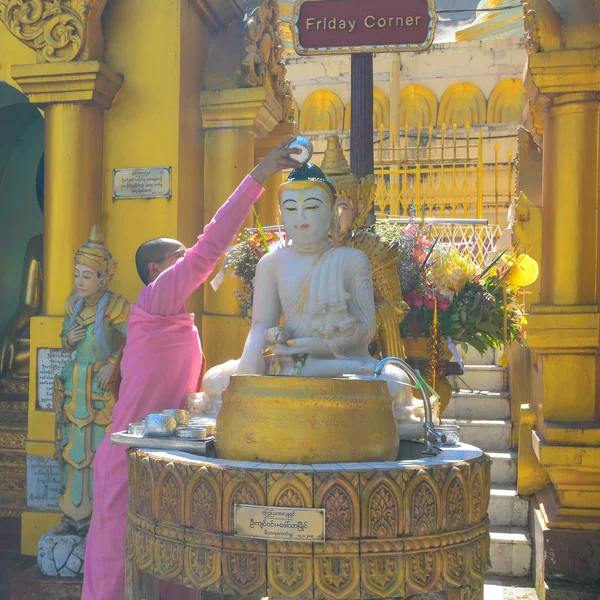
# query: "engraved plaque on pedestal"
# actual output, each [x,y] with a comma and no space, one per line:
[279,523]
[50,362]
[43,482]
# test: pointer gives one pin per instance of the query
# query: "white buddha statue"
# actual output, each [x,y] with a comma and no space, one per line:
[324,293]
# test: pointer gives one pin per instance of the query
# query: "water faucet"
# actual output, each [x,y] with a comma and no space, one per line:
[432,438]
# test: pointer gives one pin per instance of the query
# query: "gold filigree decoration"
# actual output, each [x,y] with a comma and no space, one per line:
[336,572]
[169,500]
[543,26]
[456,504]
[476,498]
[338,510]
[421,568]
[243,568]
[201,562]
[382,571]
[54,28]
[289,571]
[203,506]
[145,494]
[424,509]
[383,513]
[290,498]
[455,563]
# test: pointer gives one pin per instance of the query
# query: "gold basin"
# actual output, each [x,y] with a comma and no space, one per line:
[306,420]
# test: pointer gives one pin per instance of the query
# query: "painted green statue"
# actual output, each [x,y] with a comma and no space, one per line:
[94,328]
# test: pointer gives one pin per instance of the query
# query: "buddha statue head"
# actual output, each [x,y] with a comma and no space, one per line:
[354,198]
[94,266]
[306,201]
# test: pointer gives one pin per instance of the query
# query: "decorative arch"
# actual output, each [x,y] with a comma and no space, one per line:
[322,111]
[381,111]
[462,103]
[418,105]
[507,102]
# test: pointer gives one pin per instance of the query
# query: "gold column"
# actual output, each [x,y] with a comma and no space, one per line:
[564,329]
[74,97]
[268,205]
[231,120]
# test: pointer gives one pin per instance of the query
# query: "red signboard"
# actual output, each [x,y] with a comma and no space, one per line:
[346,26]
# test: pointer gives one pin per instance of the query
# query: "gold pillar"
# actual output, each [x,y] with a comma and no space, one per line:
[74,97]
[231,120]
[564,329]
[268,204]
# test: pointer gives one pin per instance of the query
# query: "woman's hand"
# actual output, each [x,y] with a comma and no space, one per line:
[280,158]
[105,376]
[75,335]
[310,346]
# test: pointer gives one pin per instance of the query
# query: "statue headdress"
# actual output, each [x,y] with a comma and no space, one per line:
[309,172]
[95,254]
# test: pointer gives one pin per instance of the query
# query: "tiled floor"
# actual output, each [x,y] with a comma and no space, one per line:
[509,589]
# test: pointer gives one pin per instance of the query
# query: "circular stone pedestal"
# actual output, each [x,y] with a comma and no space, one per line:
[409,528]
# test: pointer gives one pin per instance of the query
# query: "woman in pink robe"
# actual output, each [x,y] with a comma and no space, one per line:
[161,363]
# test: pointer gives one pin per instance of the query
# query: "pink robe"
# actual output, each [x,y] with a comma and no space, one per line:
[161,363]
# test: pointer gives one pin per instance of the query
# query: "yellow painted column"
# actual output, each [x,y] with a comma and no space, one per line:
[74,97]
[564,328]
[232,119]
[268,204]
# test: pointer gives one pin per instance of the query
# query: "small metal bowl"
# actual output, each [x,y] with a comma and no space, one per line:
[136,428]
[209,424]
[191,433]
[159,425]
[305,145]
[452,433]
[181,416]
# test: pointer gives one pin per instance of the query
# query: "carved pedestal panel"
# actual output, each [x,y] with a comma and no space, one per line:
[393,530]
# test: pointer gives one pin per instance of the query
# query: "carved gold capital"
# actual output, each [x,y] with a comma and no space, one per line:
[567,71]
[58,30]
[89,82]
[248,108]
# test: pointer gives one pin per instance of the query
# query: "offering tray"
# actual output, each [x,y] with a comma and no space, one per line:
[204,447]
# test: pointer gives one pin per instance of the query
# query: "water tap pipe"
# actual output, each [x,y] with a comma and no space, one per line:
[431,435]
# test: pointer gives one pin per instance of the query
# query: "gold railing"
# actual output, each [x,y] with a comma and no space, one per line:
[439,172]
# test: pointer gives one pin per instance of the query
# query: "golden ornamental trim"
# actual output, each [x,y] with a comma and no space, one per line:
[53,28]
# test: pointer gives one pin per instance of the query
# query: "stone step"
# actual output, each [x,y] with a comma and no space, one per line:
[472,357]
[510,551]
[483,377]
[465,404]
[507,508]
[504,468]
[489,435]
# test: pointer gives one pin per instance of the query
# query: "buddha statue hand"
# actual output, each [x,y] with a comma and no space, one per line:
[311,346]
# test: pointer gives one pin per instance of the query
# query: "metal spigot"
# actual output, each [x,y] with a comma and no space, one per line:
[432,438]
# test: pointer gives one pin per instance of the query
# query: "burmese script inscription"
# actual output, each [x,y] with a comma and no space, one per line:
[336,26]
[50,363]
[274,523]
[154,182]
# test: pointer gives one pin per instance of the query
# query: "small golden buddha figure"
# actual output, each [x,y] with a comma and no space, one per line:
[14,341]
[94,329]
[354,198]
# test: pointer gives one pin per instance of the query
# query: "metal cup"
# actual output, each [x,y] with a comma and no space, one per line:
[136,428]
[159,425]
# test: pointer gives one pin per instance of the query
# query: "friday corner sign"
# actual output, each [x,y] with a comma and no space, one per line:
[350,26]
